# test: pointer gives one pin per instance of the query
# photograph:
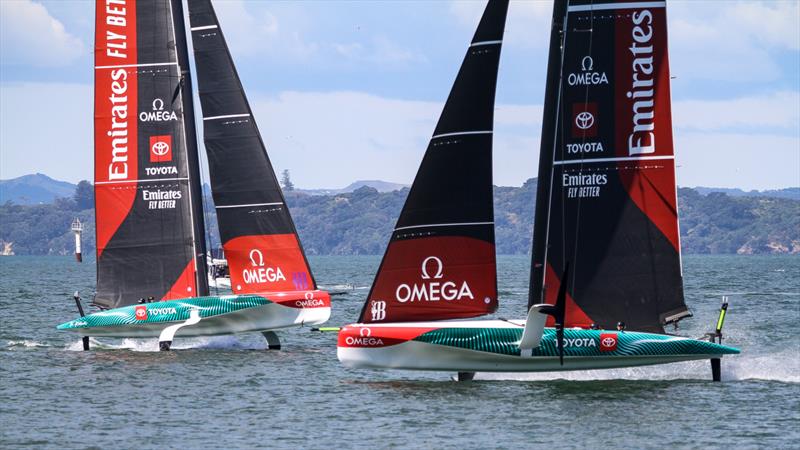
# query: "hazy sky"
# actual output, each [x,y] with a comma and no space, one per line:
[352,90]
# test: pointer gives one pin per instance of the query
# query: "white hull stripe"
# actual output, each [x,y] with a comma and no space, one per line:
[142,181]
[251,204]
[461,133]
[138,65]
[622,5]
[463,224]
[206,27]
[229,116]
[477,44]
[602,160]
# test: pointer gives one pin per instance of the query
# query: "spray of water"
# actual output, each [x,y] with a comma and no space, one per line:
[784,366]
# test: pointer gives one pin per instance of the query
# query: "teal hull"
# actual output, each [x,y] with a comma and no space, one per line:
[219,315]
[493,346]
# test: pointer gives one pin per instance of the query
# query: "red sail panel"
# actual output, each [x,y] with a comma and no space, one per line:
[267,263]
[115,124]
[434,278]
[145,210]
[608,183]
[644,117]
[184,286]
[573,314]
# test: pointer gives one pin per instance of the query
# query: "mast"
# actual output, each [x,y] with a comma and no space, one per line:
[440,262]
[195,186]
[258,234]
[546,148]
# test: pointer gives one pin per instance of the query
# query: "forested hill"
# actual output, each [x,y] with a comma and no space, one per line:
[360,222]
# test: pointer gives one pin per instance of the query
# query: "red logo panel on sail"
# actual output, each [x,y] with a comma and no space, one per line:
[160,149]
[584,120]
[267,263]
[608,342]
[434,278]
[643,118]
[115,125]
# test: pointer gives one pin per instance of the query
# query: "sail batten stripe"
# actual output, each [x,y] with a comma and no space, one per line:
[444,225]
[120,66]
[249,204]
[478,44]
[205,27]
[621,5]
[142,181]
[460,133]
[622,158]
[228,116]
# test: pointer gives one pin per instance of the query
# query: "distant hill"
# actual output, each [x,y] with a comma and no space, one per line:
[360,222]
[790,193]
[34,189]
[378,185]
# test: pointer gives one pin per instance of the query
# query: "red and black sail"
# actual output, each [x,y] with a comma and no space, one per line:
[258,235]
[440,262]
[606,201]
[148,211]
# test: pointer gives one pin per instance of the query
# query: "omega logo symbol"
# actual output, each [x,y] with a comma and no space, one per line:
[257,258]
[309,295]
[160,148]
[587,64]
[439,267]
[584,120]
[158,105]
[365,332]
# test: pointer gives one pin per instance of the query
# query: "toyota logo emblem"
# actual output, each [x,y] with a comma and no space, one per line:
[609,342]
[584,120]
[160,148]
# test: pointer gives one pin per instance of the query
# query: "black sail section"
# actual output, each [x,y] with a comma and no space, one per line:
[145,211]
[608,182]
[440,262]
[258,235]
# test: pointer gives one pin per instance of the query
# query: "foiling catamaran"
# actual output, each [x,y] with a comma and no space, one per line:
[606,245]
[151,256]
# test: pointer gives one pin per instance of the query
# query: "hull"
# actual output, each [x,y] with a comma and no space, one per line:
[493,346]
[219,315]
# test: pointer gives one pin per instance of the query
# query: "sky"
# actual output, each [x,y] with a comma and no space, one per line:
[351,90]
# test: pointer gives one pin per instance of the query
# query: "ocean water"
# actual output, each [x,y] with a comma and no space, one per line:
[230,392]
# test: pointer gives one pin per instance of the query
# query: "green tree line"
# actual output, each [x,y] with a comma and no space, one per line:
[360,222]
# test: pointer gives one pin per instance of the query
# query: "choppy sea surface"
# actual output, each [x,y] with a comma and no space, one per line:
[230,392]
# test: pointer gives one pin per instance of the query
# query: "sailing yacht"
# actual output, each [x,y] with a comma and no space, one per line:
[606,271]
[151,255]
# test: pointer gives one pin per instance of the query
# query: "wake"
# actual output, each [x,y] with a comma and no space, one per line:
[783,367]
[151,345]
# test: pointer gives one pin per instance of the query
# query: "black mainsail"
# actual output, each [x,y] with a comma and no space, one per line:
[440,262]
[148,207]
[606,200]
[258,235]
